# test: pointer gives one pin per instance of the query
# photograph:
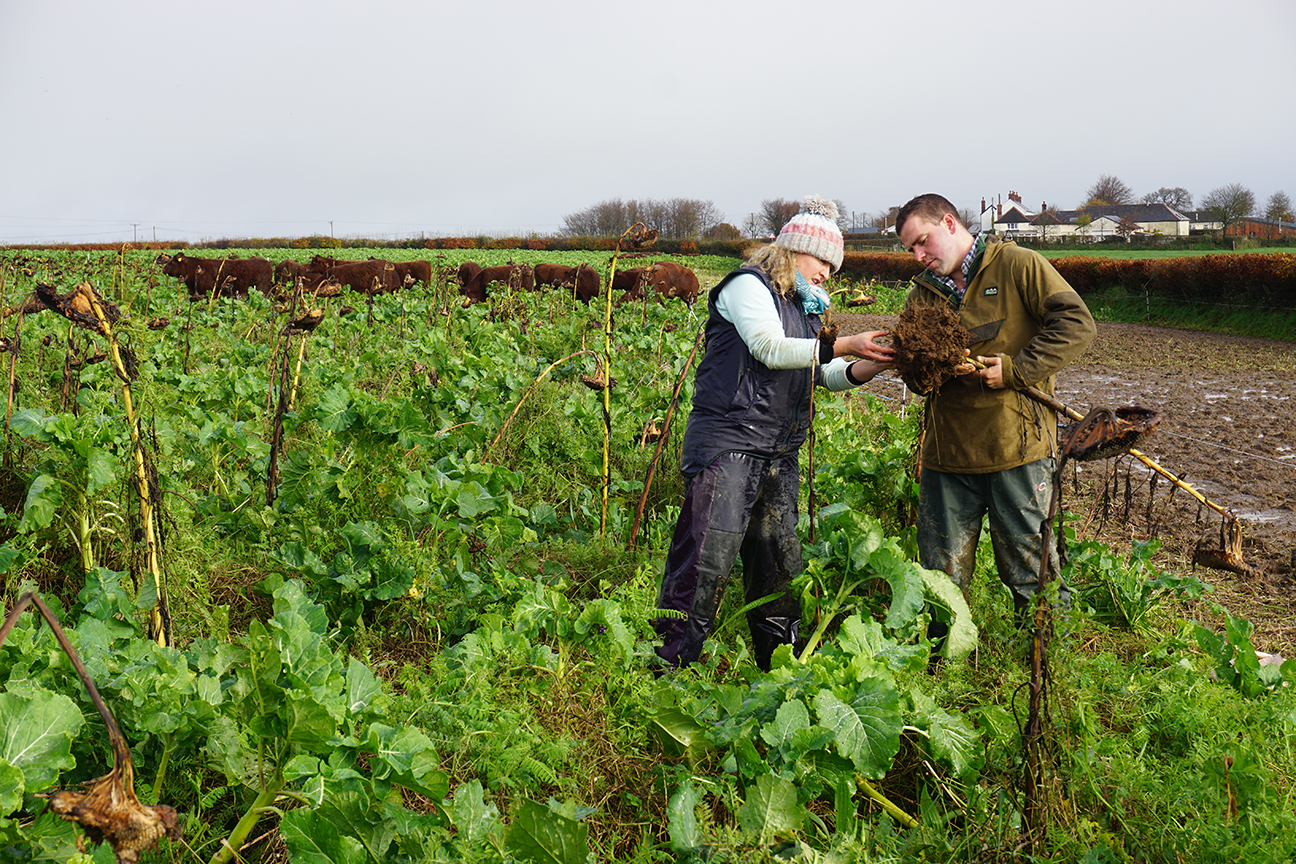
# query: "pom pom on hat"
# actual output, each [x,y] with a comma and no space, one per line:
[819,207]
[814,231]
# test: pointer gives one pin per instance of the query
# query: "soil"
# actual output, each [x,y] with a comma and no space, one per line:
[930,343]
[1225,404]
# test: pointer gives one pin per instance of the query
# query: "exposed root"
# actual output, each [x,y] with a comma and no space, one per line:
[930,343]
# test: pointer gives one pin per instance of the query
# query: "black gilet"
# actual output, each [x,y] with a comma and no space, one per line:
[739,403]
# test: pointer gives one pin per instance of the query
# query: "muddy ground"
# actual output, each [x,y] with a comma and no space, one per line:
[1228,406]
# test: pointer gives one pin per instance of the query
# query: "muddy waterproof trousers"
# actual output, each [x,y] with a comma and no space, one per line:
[739,506]
[950,510]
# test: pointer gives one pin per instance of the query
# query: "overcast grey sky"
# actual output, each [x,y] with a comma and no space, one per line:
[387,118]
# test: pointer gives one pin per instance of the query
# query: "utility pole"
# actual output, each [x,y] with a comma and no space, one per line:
[134,235]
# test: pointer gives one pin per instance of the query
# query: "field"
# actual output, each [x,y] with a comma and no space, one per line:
[406,553]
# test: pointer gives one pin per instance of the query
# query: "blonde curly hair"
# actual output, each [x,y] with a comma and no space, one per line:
[779,263]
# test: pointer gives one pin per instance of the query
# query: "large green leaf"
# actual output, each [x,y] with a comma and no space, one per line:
[314,839]
[474,820]
[36,731]
[868,727]
[44,497]
[906,585]
[364,690]
[681,821]
[942,591]
[353,815]
[8,557]
[308,723]
[334,413]
[541,836]
[12,786]
[101,470]
[790,718]
[406,757]
[953,738]
[474,499]
[771,808]
[677,732]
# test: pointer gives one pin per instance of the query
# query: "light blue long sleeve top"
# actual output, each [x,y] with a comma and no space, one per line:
[746,303]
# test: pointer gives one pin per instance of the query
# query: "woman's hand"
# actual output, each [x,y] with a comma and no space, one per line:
[863,345]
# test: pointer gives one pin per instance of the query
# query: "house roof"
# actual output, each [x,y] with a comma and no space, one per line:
[1013,215]
[1277,223]
[1133,212]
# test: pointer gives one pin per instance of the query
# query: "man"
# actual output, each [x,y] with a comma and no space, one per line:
[988,448]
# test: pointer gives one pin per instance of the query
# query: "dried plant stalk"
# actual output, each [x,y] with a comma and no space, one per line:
[108,809]
[84,307]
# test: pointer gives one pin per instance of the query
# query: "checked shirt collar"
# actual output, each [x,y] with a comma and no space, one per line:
[969,265]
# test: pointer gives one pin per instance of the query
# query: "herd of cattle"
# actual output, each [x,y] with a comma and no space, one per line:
[322,276]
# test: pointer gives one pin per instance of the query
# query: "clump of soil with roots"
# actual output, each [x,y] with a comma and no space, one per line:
[930,344]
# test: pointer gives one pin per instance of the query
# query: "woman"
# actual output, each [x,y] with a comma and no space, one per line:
[751,413]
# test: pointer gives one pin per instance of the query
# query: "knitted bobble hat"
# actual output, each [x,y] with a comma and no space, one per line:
[814,231]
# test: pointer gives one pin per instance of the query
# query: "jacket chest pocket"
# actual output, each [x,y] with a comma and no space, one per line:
[979,333]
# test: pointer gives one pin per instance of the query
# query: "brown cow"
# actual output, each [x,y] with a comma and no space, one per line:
[287,272]
[320,263]
[629,280]
[411,272]
[515,275]
[235,276]
[551,274]
[374,276]
[673,280]
[583,279]
[467,271]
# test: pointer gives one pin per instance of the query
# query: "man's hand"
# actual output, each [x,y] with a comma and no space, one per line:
[992,371]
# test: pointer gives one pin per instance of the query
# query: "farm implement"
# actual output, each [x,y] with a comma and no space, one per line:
[1104,433]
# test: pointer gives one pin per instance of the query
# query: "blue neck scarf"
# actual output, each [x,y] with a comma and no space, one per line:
[814,300]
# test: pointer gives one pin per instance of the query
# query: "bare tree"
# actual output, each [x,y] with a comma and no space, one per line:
[674,218]
[1231,203]
[1047,222]
[843,215]
[1279,207]
[1108,189]
[777,212]
[692,217]
[601,219]
[1175,197]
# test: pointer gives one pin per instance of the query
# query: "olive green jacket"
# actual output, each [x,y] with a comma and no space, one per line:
[1016,306]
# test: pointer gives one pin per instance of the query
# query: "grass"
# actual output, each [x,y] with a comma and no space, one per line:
[1264,323]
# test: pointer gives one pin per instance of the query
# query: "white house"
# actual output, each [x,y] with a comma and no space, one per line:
[1100,220]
